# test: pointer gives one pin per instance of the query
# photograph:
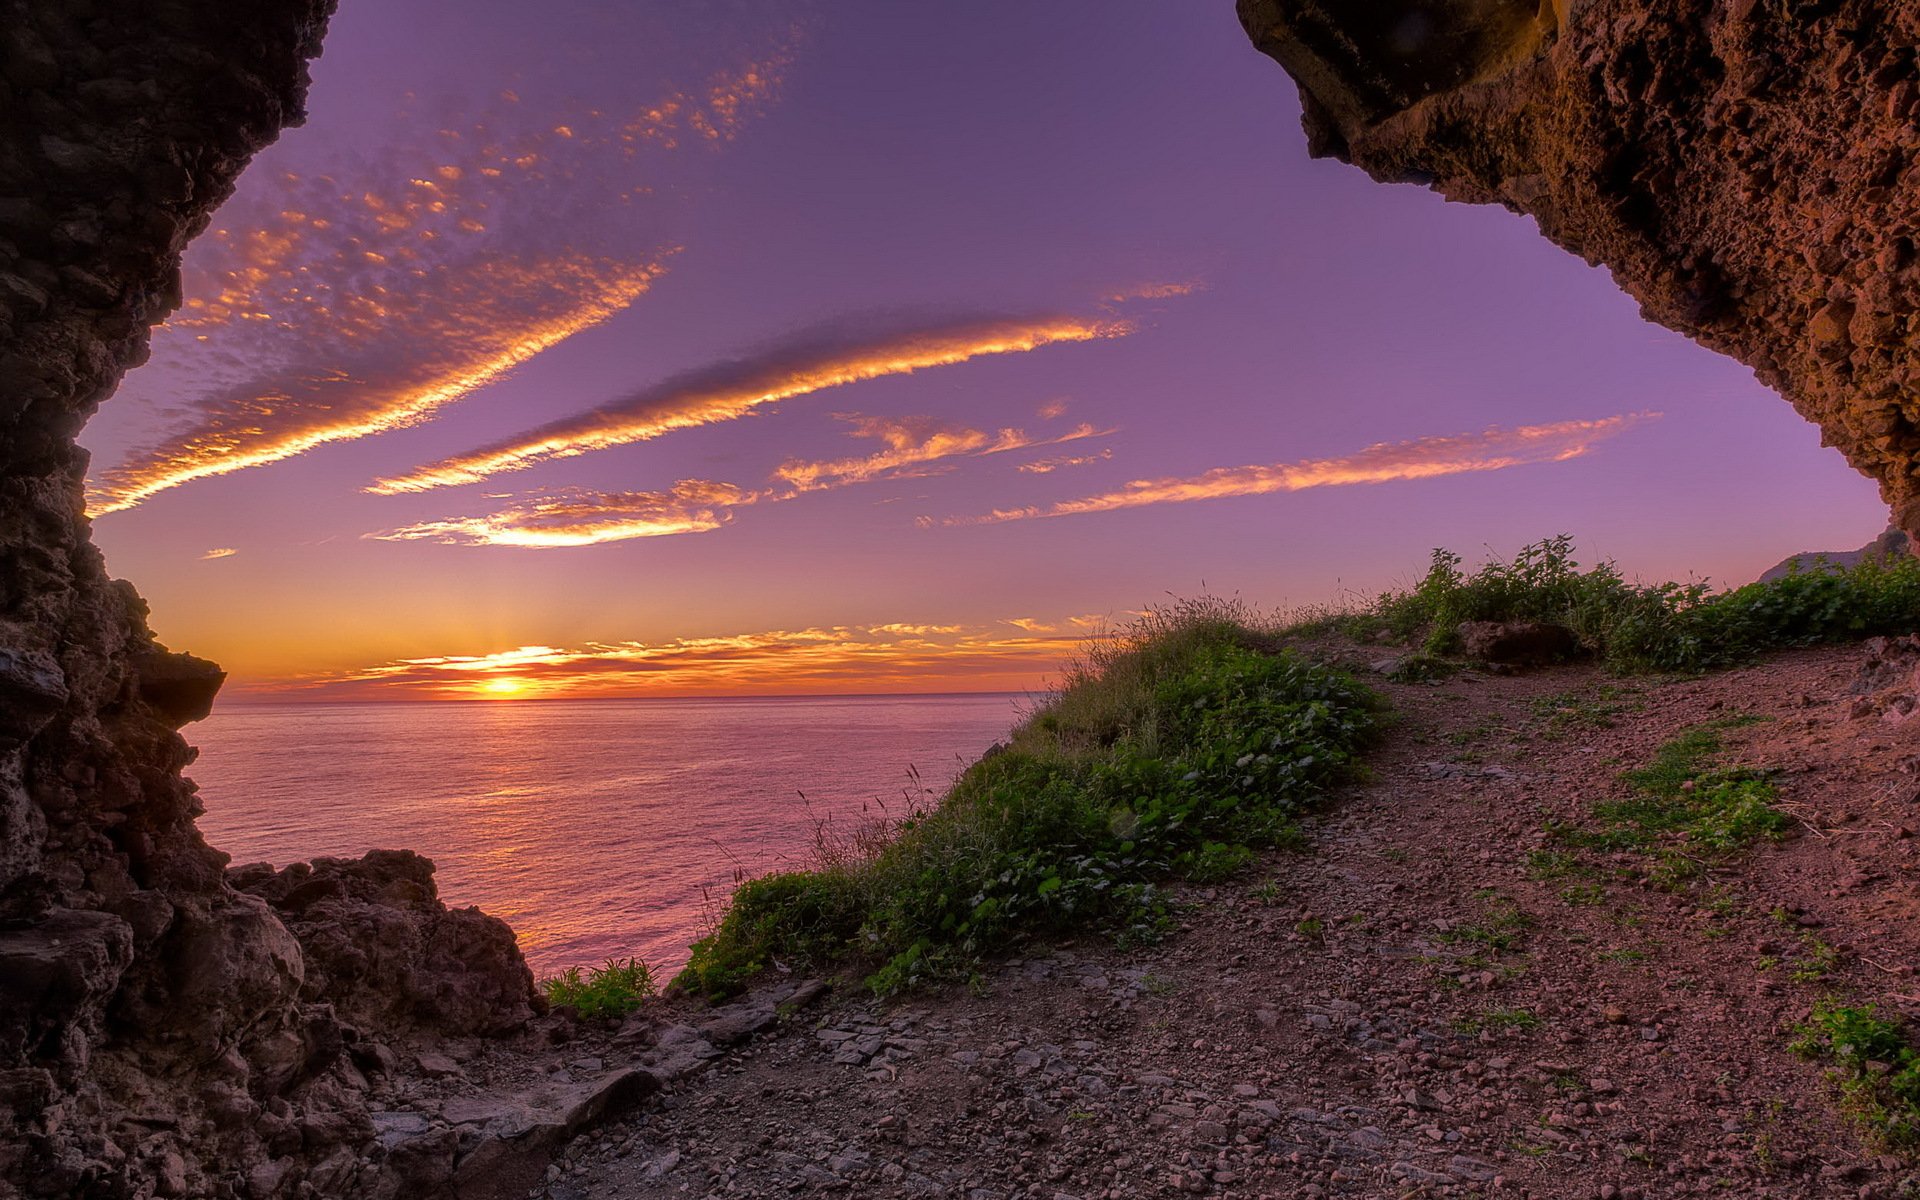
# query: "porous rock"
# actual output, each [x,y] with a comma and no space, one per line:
[382,949]
[1748,170]
[138,990]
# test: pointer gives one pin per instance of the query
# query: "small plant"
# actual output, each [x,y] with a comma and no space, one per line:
[1503,928]
[1312,928]
[613,990]
[1874,1065]
[1584,895]
[1684,811]
[1497,1020]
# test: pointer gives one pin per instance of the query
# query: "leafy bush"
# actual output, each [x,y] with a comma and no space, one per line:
[1649,627]
[1173,749]
[613,990]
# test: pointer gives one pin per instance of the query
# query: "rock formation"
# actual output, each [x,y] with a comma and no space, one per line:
[161,1033]
[1748,169]
[1890,545]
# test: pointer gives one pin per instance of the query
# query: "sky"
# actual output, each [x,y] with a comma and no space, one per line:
[752,346]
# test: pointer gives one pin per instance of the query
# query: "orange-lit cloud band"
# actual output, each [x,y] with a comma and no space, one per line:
[732,390]
[578,517]
[1385,462]
[490,319]
[900,656]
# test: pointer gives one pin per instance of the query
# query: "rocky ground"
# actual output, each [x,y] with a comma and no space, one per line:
[1434,999]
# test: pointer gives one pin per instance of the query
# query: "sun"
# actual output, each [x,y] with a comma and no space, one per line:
[504,687]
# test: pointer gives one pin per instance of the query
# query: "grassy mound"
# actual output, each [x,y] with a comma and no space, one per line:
[1640,627]
[1172,750]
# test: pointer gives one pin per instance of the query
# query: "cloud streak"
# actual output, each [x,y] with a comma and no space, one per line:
[340,303]
[904,656]
[1384,462]
[579,517]
[397,362]
[732,390]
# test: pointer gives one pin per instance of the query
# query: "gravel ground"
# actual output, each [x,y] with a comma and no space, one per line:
[1413,1006]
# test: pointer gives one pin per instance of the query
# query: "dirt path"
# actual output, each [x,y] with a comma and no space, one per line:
[1437,998]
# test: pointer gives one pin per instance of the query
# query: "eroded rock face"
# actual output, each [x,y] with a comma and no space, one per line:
[1748,169]
[382,949]
[160,1032]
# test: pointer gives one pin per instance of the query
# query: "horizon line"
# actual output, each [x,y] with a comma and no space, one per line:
[291,698]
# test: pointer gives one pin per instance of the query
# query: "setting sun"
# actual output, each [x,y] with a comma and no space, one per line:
[503,687]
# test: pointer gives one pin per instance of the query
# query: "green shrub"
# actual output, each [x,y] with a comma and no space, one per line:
[1642,627]
[613,990]
[1173,749]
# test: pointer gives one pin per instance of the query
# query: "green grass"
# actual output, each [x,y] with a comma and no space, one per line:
[1174,750]
[1504,926]
[1498,1020]
[613,990]
[1683,809]
[1875,1067]
[1634,627]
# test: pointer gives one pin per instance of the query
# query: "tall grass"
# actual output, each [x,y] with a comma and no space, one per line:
[1171,749]
[1636,627]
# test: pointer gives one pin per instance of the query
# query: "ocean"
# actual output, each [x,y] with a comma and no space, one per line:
[596,828]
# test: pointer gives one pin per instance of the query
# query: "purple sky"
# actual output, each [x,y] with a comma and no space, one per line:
[530,267]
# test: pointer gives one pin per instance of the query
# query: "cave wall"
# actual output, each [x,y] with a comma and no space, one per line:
[1749,170]
[154,1034]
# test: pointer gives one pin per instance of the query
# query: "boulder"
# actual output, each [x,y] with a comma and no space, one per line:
[1517,643]
[387,954]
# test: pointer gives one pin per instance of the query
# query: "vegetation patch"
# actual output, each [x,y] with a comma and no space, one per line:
[613,990]
[1636,627]
[1874,1065]
[1684,810]
[1175,749]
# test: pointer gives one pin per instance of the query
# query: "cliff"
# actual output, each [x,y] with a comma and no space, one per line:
[160,1031]
[1747,169]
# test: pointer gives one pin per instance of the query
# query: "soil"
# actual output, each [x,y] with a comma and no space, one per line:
[1432,999]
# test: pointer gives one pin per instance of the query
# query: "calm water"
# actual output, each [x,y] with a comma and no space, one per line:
[591,826]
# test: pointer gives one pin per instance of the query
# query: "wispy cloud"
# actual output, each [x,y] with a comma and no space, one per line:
[912,441]
[1044,466]
[895,656]
[219,552]
[333,305]
[579,517]
[1384,462]
[727,391]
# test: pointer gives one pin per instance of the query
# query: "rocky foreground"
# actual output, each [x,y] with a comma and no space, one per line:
[1434,998]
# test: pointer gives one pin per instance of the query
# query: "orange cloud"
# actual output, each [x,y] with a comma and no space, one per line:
[399,361]
[1384,462]
[582,518]
[898,656]
[1043,466]
[912,441]
[732,390]
[219,552]
[330,306]
[577,517]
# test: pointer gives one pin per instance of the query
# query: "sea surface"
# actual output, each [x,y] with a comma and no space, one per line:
[596,828]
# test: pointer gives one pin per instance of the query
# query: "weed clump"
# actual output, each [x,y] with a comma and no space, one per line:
[613,990]
[1173,749]
[1635,627]
[1684,809]
[1875,1067]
